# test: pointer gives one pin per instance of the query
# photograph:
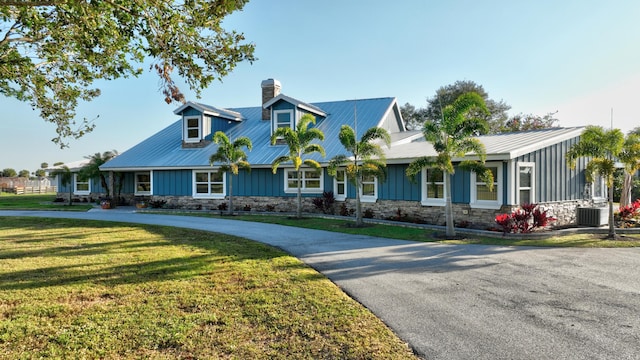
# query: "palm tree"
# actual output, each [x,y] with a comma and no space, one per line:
[232,157]
[630,157]
[92,169]
[603,147]
[66,178]
[453,137]
[299,143]
[366,159]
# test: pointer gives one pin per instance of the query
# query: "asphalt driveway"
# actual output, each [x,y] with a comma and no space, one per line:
[462,301]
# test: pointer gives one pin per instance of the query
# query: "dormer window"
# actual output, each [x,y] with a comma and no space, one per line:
[192,128]
[282,118]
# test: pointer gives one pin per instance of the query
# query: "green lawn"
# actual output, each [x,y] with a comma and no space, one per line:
[38,202]
[81,289]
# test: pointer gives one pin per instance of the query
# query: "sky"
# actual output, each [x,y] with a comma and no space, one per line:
[579,58]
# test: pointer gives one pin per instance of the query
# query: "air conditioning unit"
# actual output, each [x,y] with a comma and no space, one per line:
[593,216]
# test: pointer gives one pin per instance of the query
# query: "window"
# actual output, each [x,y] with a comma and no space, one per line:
[598,188]
[143,183]
[433,181]
[525,183]
[192,129]
[209,184]
[81,186]
[481,197]
[282,118]
[340,185]
[311,181]
[369,189]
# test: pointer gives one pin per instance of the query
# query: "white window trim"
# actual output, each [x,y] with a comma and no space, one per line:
[185,129]
[304,190]
[427,201]
[197,195]
[135,183]
[487,204]
[532,187]
[274,122]
[75,186]
[337,196]
[369,198]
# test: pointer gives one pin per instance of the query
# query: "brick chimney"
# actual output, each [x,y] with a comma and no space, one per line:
[270,89]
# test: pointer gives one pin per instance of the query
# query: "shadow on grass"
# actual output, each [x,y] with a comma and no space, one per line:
[210,252]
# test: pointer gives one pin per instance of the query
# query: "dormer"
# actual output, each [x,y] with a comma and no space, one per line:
[286,111]
[199,121]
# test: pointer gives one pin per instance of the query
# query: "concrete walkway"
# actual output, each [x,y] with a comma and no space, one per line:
[461,301]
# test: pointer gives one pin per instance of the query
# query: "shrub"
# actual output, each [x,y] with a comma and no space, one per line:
[157,204]
[247,207]
[627,214]
[344,211]
[368,214]
[325,203]
[222,206]
[271,208]
[524,220]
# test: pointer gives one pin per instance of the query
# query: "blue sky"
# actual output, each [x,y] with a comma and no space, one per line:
[580,58]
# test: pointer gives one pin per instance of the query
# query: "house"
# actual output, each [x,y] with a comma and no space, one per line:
[173,165]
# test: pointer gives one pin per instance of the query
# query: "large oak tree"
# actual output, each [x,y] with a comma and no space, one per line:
[51,55]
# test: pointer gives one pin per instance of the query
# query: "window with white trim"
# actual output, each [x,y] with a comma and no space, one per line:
[209,184]
[81,186]
[598,188]
[481,196]
[143,183]
[525,187]
[192,129]
[369,188]
[311,181]
[282,118]
[340,185]
[433,182]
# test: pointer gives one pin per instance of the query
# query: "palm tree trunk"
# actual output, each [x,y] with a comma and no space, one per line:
[612,226]
[230,193]
[448,208]
[299,207]
[359,221]
[625,195]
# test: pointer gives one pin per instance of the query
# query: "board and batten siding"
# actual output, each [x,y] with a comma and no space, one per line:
[173,182]
[554,180]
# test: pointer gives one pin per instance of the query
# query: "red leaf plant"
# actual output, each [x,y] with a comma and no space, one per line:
[524,220]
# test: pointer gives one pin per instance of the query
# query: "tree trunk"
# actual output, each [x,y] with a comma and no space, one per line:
[230,193]
[612,225]
[359,221]
[625,194]
[299,207]
[451,231]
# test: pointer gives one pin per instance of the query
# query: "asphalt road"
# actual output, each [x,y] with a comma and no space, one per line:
[462,301]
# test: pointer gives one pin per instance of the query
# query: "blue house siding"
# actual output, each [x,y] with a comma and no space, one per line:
[461,187]
[260,182]
[397,185]
[554,181]
[172,182]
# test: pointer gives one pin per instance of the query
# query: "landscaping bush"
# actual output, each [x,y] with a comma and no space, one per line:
[629,215]
[524,220]
[368,214]
[325,203]
[157,204]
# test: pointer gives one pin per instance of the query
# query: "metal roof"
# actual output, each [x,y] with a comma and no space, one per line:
[164,150]
[505,146]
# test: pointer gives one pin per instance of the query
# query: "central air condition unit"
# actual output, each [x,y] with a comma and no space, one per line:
[593,216]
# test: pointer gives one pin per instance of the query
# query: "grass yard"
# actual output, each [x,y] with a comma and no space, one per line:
[38,202]
[81,289]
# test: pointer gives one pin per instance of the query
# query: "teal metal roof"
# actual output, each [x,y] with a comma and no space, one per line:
[164,149]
